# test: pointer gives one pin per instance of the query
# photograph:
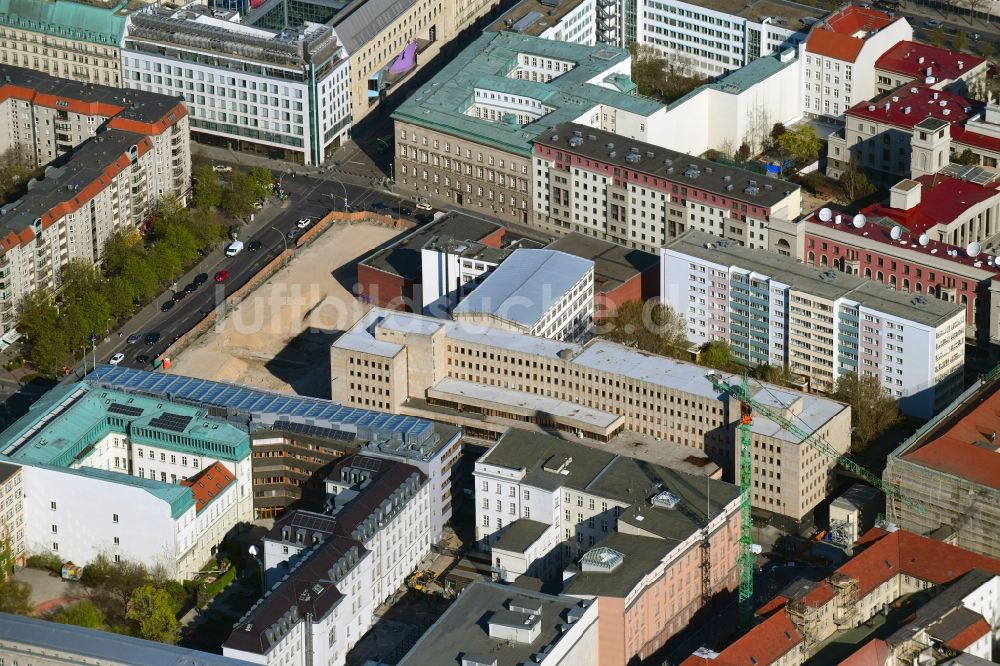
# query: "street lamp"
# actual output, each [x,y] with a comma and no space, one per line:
[107,328]
[284,240]
[253,553]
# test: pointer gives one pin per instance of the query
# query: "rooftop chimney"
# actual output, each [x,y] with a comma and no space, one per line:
[905,194]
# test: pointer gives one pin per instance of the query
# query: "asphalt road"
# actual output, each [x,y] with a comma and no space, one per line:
[309,196]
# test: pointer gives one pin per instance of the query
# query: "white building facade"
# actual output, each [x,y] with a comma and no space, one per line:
[711,41]
[126,483]
[823,324]
[285,94]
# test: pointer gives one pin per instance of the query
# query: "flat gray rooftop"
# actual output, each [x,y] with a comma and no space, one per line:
[613,264]
[686,170]
[826,283]
[641,555]
[533,17]
[464,627]
[659,371]
[520,534]
[403,257]
[525,286]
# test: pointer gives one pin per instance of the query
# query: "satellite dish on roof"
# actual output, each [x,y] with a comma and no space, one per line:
[924,240]
[859,221]
[825,214]
[896,232]
[973,248]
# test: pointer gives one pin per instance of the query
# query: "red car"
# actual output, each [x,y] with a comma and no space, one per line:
[222,276]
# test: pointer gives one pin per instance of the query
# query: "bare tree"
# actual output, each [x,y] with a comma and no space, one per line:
[727,148]
[854,182]
[758,128]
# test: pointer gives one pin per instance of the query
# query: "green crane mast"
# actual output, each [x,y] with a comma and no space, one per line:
[748,406]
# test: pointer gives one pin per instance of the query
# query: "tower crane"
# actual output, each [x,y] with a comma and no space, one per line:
[748,406]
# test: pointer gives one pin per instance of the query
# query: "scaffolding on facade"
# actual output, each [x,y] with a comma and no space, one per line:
[806,619]
[846,602]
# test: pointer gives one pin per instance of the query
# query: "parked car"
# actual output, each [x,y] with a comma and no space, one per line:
[222,276]
[294,233]
[253,246]
[179,296]
[166,306]
[190,289]
[152,339]
[201,278]
[423,203]
[117,358]
[932,23]
[142,359]
[303,223]
[134,338]
[380,207]
[405,211]
[222,168]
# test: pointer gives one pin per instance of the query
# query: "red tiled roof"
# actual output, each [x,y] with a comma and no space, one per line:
[776,603]
[968,636]
[835,37]
[913,555]
[955,452]
[963,137]
[819,595]
[873,653]
[208,484]
[943,199]
[764,644]
[912,59]
[922,101]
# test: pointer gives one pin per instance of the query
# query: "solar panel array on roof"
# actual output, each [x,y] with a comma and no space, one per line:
[127,410]
[366,463]
[311,521]
[171,421]
[264,405]
[315,431]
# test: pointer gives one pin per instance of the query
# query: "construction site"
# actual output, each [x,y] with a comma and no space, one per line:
[951,467]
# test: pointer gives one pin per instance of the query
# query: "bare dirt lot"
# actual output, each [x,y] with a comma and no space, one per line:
[279,337]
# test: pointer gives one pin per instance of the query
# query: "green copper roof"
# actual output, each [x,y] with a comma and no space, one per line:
[66,19]
[61,427]
[486,64]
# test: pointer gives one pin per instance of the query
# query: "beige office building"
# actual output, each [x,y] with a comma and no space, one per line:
[487,380]
[73,40]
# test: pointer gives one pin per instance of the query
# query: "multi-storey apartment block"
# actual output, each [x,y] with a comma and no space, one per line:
[640,195]
[475,149]
[488,379]
[12,516]
[539,292]
[820,323]
[282,93]
[545,503]
[79,41]
[307,423]
[134,150]
[840,55]
[328,572]
[148,480]
[913,132]
[939,68]
[717,36]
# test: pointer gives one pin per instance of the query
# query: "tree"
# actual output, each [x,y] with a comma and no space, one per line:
[727,148]
[205,228]
[15,171]
[801,144]
[777,131]
[38,316]
[83,613]
[987,49]
[650,326]
[967,157]
[855,183]
[151,608]
[773,374]
[118,249]
[960,42]
[936,37]
[49,353]
[873,409]
[758,128]
[207,188]
[260,182]
[743,152]
[238,197]
[716,355]
[15,597]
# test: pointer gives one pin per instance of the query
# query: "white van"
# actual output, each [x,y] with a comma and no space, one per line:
[234,248]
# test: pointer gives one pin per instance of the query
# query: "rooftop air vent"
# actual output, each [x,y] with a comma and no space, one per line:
[665,500]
